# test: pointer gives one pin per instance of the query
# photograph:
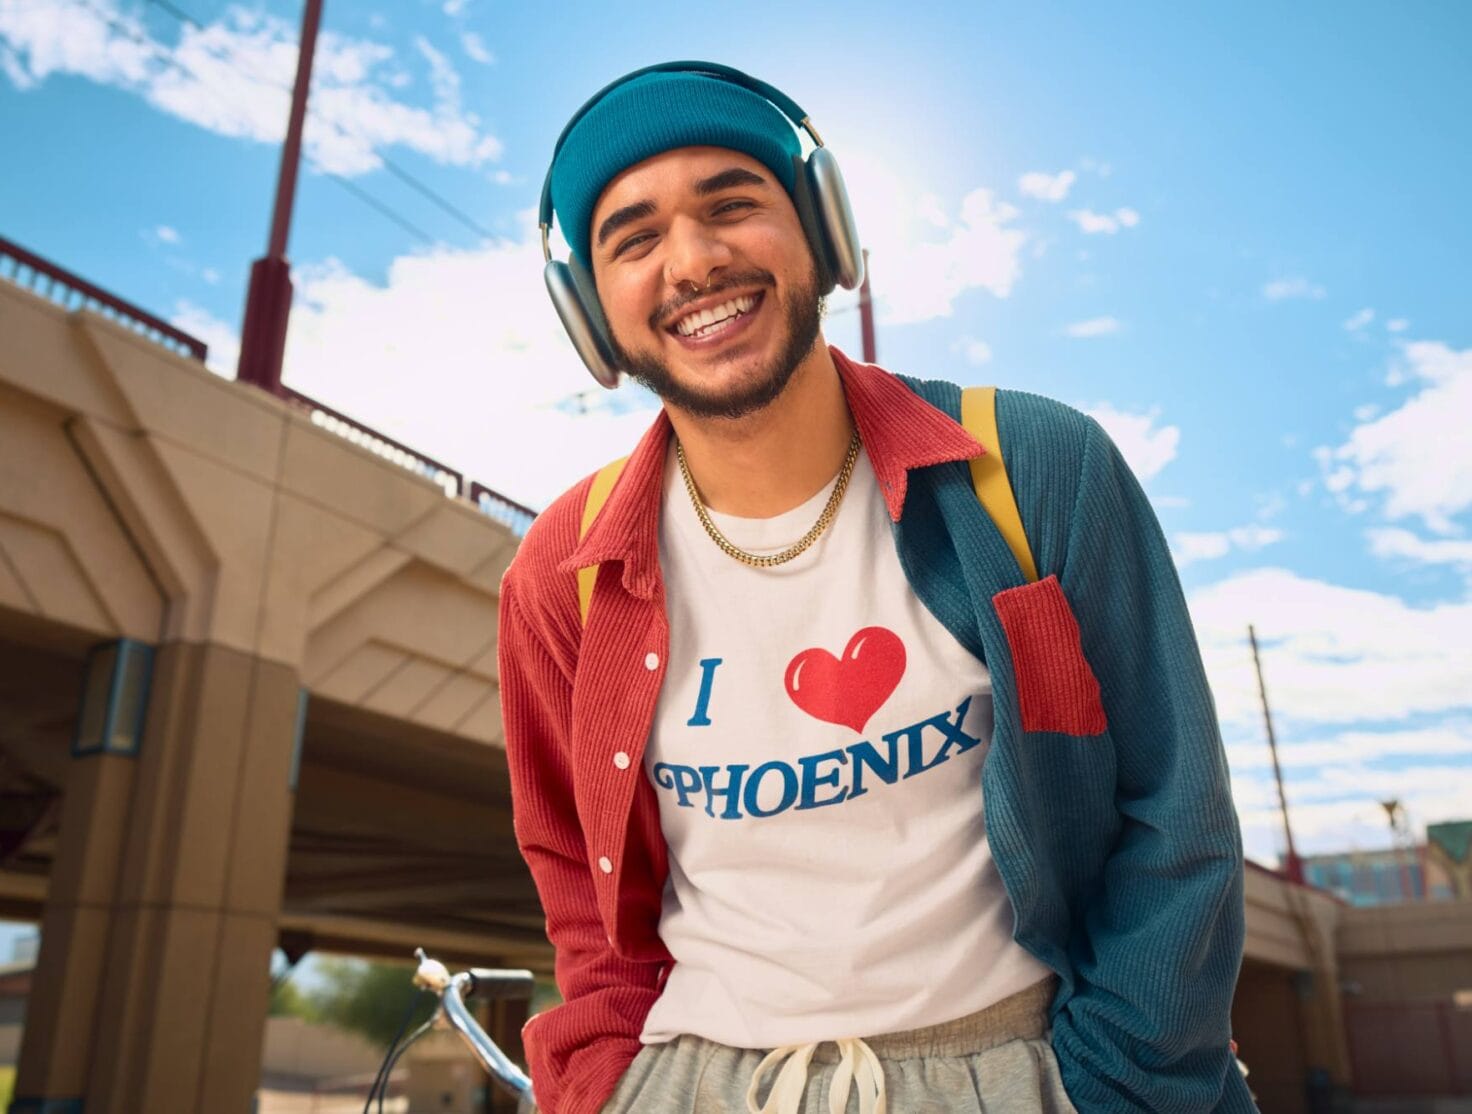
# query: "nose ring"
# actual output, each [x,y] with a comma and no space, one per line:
[697,288]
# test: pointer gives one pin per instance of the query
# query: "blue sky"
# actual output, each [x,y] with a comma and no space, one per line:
[1238,235]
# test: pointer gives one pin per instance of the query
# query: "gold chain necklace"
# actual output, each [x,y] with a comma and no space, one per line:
[766,562]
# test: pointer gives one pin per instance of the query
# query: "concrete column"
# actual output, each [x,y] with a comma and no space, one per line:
[62,1012]
[171,983]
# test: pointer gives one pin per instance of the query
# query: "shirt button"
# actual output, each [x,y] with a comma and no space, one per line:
[621,760]
[605,865]
[651,661]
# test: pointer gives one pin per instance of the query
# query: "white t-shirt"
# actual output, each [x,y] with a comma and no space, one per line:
[817,752]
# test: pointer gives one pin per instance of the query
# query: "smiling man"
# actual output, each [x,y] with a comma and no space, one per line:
[839,792]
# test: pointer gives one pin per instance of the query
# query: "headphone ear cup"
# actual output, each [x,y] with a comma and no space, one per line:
[576,298]
[812,225]
[835,219]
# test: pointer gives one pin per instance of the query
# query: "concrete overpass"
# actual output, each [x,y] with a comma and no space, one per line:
[248,698]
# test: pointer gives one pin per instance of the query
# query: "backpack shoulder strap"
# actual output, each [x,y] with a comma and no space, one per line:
[989,475]
[597,495]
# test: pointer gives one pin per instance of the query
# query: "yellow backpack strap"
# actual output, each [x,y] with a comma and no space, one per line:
[989,474]
[597,495]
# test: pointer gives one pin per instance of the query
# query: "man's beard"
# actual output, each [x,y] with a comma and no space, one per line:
[803,310]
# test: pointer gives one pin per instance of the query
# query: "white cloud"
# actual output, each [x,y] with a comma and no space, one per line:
[1270,505]
[1356,746]
[1397,325]
[460,354]
[221,339]
[1093,327]
[1360,320]
[1332,655]
[1390,542]
[233,78]
[1146,447]
[475,49]
[1297,287]
[924,253]
[975,352]
[166,234]
[930,209]
[1092,223]
[1417,458]
[1369,700]
[1046,187]
[1188,547]
[1353,822]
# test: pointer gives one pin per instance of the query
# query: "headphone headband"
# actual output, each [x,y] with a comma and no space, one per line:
[814,182]
[781,100]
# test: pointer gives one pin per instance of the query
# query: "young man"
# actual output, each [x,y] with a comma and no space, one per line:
[830,803]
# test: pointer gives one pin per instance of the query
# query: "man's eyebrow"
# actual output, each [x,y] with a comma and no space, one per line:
[726,179]
[639,210]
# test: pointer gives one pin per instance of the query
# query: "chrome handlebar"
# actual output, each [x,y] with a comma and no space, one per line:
[452,990]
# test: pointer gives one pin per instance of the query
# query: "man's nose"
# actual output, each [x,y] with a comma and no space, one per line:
[693,251]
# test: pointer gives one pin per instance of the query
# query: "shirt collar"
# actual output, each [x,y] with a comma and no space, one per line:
[898,428]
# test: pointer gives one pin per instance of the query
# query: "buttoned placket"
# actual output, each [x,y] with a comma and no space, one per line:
[622,759]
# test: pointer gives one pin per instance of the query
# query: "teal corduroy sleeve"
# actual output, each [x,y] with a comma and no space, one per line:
[1148,1025]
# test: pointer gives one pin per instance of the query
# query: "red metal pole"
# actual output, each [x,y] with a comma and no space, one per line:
[268,301]
[866,312]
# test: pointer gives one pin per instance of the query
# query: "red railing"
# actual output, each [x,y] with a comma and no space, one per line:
[395,452]
[70,292]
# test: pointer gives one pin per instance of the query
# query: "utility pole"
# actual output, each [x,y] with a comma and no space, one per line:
[866,312]
[268,302]
[1292,865]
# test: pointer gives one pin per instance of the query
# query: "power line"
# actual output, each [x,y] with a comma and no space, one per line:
[394,168]
[373,203]
[357,191]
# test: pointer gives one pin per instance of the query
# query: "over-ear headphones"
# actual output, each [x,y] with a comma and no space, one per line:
[819,196]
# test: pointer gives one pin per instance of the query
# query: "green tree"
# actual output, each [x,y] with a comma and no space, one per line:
[287,1000]
[368,998]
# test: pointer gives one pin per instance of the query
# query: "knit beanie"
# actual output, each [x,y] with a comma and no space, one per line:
[658,112]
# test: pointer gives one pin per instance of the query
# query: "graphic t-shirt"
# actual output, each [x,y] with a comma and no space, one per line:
[817,752]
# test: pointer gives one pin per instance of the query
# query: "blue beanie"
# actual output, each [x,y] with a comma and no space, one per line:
[658,112]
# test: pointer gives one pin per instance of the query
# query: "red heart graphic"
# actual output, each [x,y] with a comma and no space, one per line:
[850,689]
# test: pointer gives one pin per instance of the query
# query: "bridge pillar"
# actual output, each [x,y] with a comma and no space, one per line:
[152,983]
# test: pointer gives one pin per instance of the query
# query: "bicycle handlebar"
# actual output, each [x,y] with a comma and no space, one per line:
[452,990]
[494,986]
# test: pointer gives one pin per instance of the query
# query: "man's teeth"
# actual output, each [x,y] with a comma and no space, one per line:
[708,320]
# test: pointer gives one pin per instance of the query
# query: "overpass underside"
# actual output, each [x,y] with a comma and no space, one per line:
[247,698]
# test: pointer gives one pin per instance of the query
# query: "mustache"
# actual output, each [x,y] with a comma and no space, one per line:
[671,309]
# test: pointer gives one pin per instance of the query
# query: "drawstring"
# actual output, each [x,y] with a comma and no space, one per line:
[857,1063]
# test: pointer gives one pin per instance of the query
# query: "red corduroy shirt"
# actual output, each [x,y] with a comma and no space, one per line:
[578,705]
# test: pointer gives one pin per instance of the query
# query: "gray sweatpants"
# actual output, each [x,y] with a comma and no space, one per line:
[997,1061]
